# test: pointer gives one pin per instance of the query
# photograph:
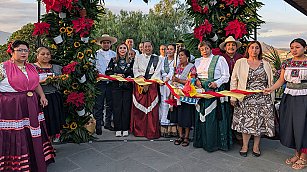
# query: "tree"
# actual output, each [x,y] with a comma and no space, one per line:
[164,24]
[223,18]
[25,34]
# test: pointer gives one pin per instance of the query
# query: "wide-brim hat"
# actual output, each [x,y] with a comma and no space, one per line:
[106,37]
[230,39]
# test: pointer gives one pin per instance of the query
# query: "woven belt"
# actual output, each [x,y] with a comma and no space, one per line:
[297,86]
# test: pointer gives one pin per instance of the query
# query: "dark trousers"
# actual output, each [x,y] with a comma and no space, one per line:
[122,101]
[105,93]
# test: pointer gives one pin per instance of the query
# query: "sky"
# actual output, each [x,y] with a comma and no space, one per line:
[283,22]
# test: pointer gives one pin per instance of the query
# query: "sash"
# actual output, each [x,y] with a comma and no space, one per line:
[152,61]
[205,83]
[18,80]
[166,65]
[186,71]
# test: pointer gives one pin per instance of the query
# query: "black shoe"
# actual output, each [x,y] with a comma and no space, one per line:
[98,131]
[255,154]
[244,154]
[109,128]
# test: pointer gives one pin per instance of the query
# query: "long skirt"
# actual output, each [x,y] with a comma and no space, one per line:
[54,113]
[145,113]
[293,121]
[212,128]
[167,127]
[24,143]
[186,113]
[122,100]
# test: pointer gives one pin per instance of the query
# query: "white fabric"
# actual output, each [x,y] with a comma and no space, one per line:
[140,64]
[102,59]
[208,110]
[221,72]
[165,92]
[143,108]
[136,51]
[302,75]
[21,124]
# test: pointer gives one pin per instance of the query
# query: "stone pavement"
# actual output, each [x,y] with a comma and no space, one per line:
[112,154]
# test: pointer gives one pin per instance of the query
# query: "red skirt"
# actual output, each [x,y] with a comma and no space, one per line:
[24,143]
[145,113]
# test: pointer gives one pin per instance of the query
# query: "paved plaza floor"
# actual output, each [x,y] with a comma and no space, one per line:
[113,154]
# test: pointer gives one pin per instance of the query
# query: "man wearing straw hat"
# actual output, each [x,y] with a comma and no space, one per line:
[102,59]
[230,46]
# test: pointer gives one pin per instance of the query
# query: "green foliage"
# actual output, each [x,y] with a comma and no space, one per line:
[164,24]
[219,15]
[25,34]
[273,57]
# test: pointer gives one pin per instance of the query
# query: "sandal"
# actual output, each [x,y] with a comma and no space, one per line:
[290,161]
[300,164]
[186,142]
[178,141]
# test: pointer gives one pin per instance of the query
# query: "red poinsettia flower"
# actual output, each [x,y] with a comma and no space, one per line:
[202,30]
[76,99]
[82,25]
[41,28]
[235,3]
[71,67]
[236,28]
[57,5]
[205,10]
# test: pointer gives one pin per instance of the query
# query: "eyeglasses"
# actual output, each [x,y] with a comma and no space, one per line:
[22,50]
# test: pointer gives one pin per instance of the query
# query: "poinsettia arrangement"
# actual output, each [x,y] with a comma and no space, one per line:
[215,20]
[68,25]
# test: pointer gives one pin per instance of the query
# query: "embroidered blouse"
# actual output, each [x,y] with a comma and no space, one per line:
[295,72]
[43,73]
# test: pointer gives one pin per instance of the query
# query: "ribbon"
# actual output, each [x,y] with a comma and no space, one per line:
[177,92]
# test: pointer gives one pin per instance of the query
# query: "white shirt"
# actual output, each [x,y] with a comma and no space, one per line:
[136,51]
[140,65]
[102,59]
[221,72]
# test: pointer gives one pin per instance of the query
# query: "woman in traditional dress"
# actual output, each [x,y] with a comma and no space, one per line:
[24,141]
[254,115]
[293,106]
[168,129]
[212,120]
[185,112]
[54,114]
[121,65]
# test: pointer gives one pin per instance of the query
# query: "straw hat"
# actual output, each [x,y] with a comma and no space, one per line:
[106,37]
[230,39]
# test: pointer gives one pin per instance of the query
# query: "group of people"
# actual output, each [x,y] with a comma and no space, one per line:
[149,109]
[152,111]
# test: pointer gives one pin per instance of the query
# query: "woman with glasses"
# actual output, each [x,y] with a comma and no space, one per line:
[212,122]
[54,114]
[121,65]
[24,141]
